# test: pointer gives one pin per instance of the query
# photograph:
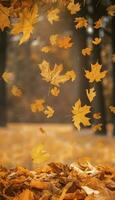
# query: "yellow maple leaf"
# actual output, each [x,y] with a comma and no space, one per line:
[53,39]
[64,42]
[7,76]
[46,49]
[97,127]
[53,15]
[49,112]
[111,10]
[4,17]
[87,51]
[98,24]
[53,76]
[39,154]
[81,22]
[17,92]
[73,7]
[79,114]
[38,105]
[91,93]
[55,91]
[97,115]
[95,74]
[96,41]
[112,109]
[113,58]
[25,23]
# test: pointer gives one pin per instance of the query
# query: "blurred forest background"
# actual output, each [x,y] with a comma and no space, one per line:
[23,62]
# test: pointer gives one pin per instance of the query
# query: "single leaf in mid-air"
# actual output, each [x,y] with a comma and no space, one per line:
[73,7]
[79,114]
[87,51]
[96,41]
[97,115]
[53,15]
[91,93]
[38,105]
[49,112]
[111,10]
[97,127]
[64,42]
[95,74]
[16,91]
[112,109]
[98,24]
[7,76]
[81,22]
[55,91]
[39,154]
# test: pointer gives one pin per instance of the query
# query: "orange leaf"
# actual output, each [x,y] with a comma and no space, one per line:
[73,8]
[55,91]
[87,51]
[96,41]
[64,42]
[81,22]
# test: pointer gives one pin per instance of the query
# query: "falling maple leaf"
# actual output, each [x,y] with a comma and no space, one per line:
[17,92]
[95,74]
[53,76]
[79,114]
[38,105]
[53,15]
[25,23]
[98,24]
[96,41]
[91,93]
[111,10]
[46,49]
[4,17]
[64,42]
[55,91]
[112,109]
[7,76]
[97,115]
[39,154]
[81,22]
[49,112]
[97,127]
[87,51]
[73,7]
[53,39]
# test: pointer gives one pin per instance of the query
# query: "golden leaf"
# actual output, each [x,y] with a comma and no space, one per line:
[112,109]
[17,92]
[111,10]
[53,15]
[53,76]
[55,91]
[64,42]
[81,22]
[91,93]
[98,24]
[7,76]
[46,49]
[53,39]
[79,114]
[95,74]
[25,23]
[73,8]
[49,112]
[87,51]
[97,115]
[113,58]
[4,17]
[38,105]
[97,127]
[96,41]
[25,195]
[39,155]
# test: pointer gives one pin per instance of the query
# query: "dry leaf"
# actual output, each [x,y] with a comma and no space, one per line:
[4,17]
[46,49]
[73,7]
[95,74]
[25,23]
[49,112]
[97,115]
[25,195]
[97,127]
[79,114]
[38,105]
[89,190]
[112,109]
[64,42]
[39,154]
[87,51]
[98,24]
[91,93]
[17,92]
[53,39]
[111,10]
[81,22]
[68,185]
[53,15]
[55,91]
[96,41]
[7,76]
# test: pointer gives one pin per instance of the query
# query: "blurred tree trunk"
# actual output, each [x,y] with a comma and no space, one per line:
[99,102]
[113,45]
[3,45]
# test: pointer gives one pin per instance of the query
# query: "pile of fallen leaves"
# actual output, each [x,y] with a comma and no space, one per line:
[56,181]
